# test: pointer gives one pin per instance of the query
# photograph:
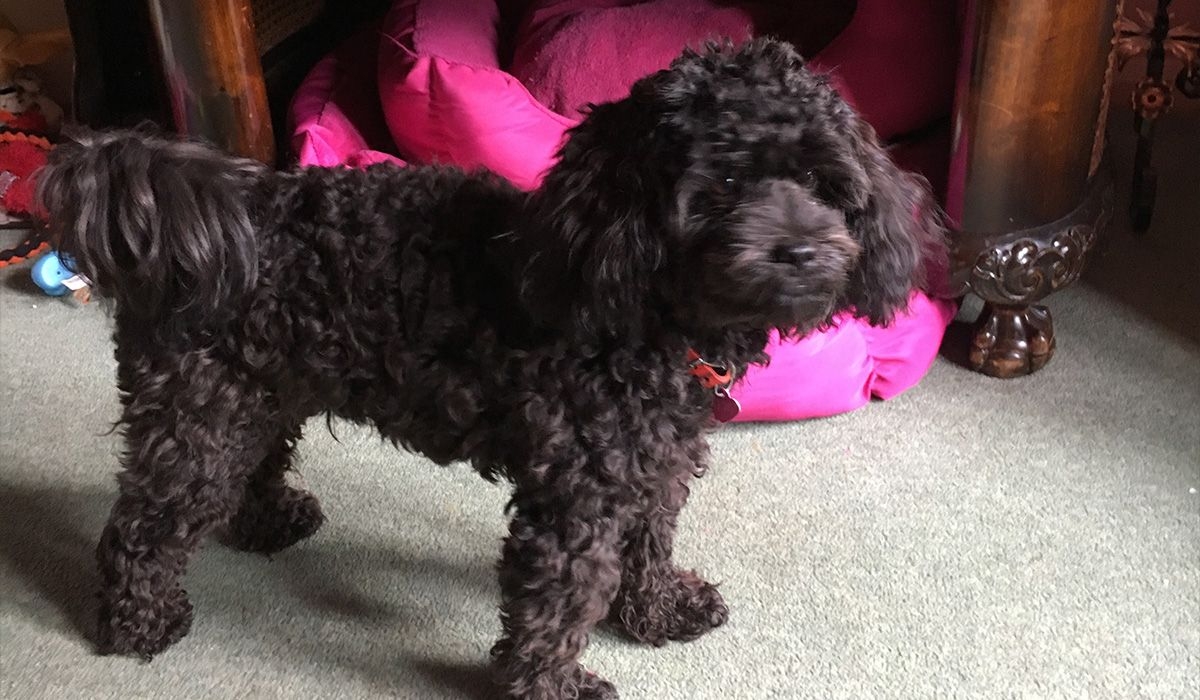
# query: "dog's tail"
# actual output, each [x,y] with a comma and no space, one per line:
[160,226]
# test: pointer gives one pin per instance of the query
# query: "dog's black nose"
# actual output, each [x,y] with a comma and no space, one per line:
[797,255]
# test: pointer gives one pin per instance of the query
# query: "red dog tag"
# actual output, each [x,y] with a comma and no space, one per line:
[725,407]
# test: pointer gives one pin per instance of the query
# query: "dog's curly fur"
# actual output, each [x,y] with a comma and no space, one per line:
[541,337]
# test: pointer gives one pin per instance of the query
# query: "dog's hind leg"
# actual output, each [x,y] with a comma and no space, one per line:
[657,601]
[272,515]
[193,432]
[558,575]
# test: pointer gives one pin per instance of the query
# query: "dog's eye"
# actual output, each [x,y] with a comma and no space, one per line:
[722,188]
[809,177]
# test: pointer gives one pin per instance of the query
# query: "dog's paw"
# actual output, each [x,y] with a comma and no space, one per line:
[138,628]
[577,683]
[680,610]
[268,525]
[698,609]
[593,687]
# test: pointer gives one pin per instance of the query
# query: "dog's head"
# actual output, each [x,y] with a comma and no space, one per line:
[735,189]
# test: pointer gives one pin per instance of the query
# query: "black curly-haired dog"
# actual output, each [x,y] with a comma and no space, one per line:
[547,338]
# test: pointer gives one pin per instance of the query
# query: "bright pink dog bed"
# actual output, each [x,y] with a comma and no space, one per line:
[432,90]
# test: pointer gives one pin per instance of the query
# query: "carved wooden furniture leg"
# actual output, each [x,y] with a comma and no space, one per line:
[1014,340]
[1027,190]
[213,74]
[1015,334]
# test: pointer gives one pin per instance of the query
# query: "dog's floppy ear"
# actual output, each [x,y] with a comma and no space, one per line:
[592,226]
[160,225]
[900,229]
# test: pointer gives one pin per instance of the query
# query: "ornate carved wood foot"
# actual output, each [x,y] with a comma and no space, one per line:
[1011,341]
[1011,273]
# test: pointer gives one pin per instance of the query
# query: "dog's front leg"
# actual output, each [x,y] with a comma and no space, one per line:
[558,575]
[192,437]
[658,601]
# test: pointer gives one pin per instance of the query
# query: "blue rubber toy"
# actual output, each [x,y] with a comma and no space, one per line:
[49,273]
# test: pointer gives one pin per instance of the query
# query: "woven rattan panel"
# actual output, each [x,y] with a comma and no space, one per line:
[276,20]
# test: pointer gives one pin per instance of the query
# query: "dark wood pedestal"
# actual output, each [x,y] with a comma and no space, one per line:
[1028,187]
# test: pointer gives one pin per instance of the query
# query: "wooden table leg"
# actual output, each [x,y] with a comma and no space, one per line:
[1027,189]
[213,74]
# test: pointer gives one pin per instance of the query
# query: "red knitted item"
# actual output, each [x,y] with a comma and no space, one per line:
[20,156]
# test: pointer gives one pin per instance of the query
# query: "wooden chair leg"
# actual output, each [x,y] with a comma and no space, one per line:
[213,73]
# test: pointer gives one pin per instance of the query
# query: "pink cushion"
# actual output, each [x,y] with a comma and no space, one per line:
[336,115]
[446,100]
[899,58]
[841,369]
[443,97]
[565,68]
[898,88]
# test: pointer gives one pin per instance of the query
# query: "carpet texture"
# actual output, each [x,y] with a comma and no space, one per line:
[973,538]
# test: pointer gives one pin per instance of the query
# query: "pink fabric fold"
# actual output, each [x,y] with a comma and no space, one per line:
[843,368]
